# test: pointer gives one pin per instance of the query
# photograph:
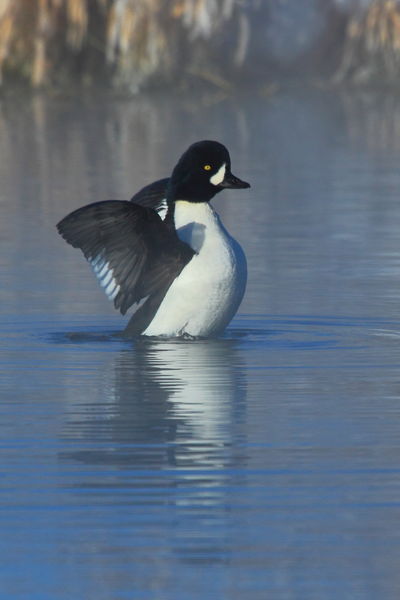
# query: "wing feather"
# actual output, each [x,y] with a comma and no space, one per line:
[134,254]
[153,196]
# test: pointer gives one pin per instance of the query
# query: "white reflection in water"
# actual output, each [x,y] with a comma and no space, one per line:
[165,403]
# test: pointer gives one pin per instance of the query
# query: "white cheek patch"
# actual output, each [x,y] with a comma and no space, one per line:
[219,176]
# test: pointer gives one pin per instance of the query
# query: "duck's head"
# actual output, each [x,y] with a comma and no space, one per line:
[203,171]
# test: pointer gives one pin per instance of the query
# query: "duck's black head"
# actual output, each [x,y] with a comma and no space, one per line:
[202,171]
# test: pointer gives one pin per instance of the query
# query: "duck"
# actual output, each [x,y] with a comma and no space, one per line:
[164,254]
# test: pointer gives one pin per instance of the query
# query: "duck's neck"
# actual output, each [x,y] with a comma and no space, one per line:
[193,212]
[196,223]
[182,212]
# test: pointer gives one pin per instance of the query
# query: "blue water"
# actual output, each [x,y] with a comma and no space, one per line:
[264,464]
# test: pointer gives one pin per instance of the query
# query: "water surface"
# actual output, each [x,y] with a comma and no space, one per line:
[264,464]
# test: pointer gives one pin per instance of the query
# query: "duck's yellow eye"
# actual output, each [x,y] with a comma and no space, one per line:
[207,167]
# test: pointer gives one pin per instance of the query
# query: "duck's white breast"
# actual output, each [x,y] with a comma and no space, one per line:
[207,294]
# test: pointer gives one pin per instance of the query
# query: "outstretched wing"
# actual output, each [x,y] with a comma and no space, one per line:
[134,254]
[153,196]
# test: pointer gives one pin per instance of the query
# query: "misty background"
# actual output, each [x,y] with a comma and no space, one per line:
[138,44]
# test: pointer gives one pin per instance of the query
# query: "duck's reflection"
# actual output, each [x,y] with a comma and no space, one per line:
[172,403]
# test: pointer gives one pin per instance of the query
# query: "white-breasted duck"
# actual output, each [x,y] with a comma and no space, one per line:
[165,253]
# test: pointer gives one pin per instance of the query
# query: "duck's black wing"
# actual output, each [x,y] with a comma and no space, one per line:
[153,195]
[134,254]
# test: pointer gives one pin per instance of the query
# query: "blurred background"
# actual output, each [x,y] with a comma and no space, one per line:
[137,44]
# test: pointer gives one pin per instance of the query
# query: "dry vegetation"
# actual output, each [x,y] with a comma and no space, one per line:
[371,52]
[127,41]
[135,42]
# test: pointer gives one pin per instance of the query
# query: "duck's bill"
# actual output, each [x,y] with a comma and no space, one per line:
[232,182]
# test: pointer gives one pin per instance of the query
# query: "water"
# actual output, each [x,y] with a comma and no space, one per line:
[264,464]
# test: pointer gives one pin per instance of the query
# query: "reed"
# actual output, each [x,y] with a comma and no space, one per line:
[371,50]
[125,41]
[133,43]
